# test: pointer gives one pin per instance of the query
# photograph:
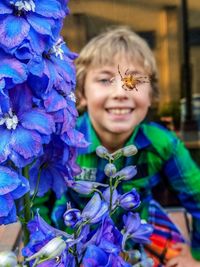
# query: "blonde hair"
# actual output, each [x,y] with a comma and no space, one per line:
[102,49]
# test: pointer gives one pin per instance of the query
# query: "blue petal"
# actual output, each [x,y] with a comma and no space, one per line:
[21,98]
[54,102]
[19,161]
[36,66]
[5,9]
[40,24]
[4,144]
[50,8]
[25,142]
[8,180]
[12,68]
[39,43]
[11,216]
[6,204]
[38,120]
[13,30]
[22,189]
[94,257]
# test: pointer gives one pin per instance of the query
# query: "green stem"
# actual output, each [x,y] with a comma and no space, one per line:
[36,187]
[27,209]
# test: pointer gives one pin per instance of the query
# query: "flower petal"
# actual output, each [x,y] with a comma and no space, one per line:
[51,9]
[25,142]
[40,24]
[5,9]
[92,207]
[38,120]
[13,30]
[6,204]
[4,144]
[8,180]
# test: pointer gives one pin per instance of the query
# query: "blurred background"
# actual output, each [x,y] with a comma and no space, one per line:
[172,29]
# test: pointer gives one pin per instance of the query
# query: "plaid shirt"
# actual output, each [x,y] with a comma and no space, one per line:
[161,155]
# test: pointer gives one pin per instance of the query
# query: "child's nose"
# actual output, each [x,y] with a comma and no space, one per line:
[118,90]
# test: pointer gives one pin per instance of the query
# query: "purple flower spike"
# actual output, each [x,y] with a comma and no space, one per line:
[72,217]
[130,200]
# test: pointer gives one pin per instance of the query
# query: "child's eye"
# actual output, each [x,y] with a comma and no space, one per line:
[105,81]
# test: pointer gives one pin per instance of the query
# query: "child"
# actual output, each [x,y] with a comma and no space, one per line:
[114,109]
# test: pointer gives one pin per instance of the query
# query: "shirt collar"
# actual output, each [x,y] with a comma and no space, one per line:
[138,138]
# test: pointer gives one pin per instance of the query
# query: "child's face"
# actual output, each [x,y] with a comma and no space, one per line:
[115,112]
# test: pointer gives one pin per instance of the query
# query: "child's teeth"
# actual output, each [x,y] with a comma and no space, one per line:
[119,111]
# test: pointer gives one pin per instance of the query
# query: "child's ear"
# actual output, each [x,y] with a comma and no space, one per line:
[82,101]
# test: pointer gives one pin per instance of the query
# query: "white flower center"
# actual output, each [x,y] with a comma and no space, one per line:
[26,5]
[57,50]
[72,97]
[10,120]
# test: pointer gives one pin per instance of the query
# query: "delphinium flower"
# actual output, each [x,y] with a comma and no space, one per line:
[12,186]
[136,230]
[23,129]
[51,169]
[55,67]
[49,246]
[30,21]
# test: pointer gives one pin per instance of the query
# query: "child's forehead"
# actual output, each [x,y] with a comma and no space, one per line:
[118,62]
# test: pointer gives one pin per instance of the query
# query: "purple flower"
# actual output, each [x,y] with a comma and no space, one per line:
[55,67]
[40,234]
[130,200]
[23,129]
[53,167]
[107,237]
[135,230]
[12,186]
[30,20]
[126,173]
[94,210]
[72,217]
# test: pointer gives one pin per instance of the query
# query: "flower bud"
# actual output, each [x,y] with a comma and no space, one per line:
[126,173]
[8,259]
[130,150]
[110,169]
[86,187]
[51,250]
[72,217]
[130,200]
[101,151]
